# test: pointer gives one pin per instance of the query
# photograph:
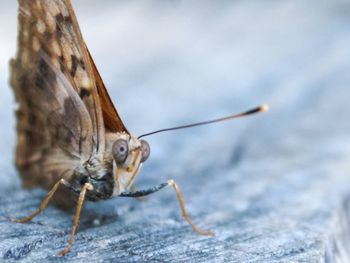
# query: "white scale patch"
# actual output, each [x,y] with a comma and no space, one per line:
[41,27]
[66,52]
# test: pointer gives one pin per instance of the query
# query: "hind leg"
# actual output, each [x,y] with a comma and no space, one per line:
[44,203]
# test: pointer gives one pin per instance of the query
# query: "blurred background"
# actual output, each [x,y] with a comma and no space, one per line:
[172,62]
[169,63]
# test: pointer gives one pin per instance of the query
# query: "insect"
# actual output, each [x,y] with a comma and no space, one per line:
[71,139]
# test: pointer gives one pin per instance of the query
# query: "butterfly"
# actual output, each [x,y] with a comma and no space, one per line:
[70,137]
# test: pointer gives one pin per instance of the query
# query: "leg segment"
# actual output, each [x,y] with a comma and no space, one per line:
[81,199]
[173,184]
[44,203]
[133,189]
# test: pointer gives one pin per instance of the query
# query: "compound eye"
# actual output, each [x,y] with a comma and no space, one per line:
[146,150]
[120,150]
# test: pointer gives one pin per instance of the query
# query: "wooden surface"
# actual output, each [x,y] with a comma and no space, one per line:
[274,188]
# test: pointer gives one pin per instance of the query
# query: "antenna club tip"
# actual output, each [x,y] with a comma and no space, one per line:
[264,108]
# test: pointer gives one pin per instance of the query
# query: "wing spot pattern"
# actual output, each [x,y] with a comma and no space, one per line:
[35,44]
[84,93]
[61,61]
[55,47]
[41,27]
[75,64]
[67,53]
[25,57]
[50,22]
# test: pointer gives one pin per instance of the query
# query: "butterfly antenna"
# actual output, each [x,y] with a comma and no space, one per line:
[262,108]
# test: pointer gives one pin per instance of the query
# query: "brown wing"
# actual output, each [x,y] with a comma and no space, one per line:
[60,122]
[58,35]
[112,121]
[77,63]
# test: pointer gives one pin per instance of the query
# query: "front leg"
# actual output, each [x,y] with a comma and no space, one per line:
[86,186]
[173,184]
[141,198]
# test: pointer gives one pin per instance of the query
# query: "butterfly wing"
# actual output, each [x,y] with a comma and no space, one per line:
[75,62]
[112,121]
[60,121]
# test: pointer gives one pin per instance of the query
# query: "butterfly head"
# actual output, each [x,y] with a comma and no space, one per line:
[128,154]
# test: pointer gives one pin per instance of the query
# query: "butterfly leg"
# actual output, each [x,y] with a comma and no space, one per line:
[141,198]
[44,203]
[174,185]
[80,203]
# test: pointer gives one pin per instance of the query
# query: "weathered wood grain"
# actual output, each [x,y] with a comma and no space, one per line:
[274,188]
